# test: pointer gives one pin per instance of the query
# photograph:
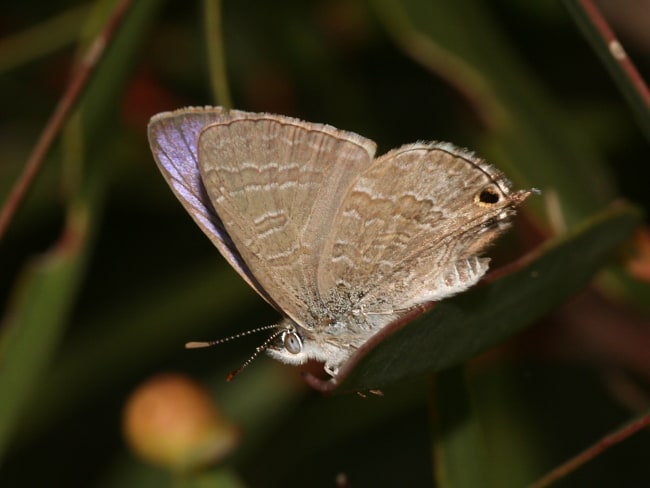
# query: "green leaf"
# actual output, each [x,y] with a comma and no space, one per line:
[459,454]
[629,80]
[461,327]
[36,321]
[42,302]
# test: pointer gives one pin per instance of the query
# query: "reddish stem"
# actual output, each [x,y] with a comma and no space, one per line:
[67,103]
[616,49]
[595,450]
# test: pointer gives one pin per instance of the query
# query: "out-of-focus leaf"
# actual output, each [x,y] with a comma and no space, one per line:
[36,320]
[459,453]
[458,328]
[509,431]
[42,303]
[630,82]
[44,38]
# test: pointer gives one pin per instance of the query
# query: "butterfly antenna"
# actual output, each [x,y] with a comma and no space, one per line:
[258,350]
[197,345]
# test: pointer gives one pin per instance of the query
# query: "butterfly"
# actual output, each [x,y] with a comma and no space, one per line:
[339,241]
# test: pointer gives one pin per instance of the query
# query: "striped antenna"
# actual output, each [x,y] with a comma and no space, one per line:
[198,345]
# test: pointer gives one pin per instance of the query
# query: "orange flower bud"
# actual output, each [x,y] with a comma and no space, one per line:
[172,421]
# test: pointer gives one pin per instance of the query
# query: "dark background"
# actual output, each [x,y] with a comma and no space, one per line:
[148,280]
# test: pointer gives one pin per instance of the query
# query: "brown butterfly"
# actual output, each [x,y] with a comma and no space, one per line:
[339,241]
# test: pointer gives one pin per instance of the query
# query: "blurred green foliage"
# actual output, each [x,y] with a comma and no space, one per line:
[103,277]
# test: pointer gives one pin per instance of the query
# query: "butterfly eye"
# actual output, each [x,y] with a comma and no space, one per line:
[488,196]
[292,342]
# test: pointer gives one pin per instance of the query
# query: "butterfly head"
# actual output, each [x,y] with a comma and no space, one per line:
[293,344]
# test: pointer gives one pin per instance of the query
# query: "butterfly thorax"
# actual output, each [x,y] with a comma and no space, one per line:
[338,325]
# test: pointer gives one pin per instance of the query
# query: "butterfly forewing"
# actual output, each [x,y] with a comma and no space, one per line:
[277,183]
[174,137]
